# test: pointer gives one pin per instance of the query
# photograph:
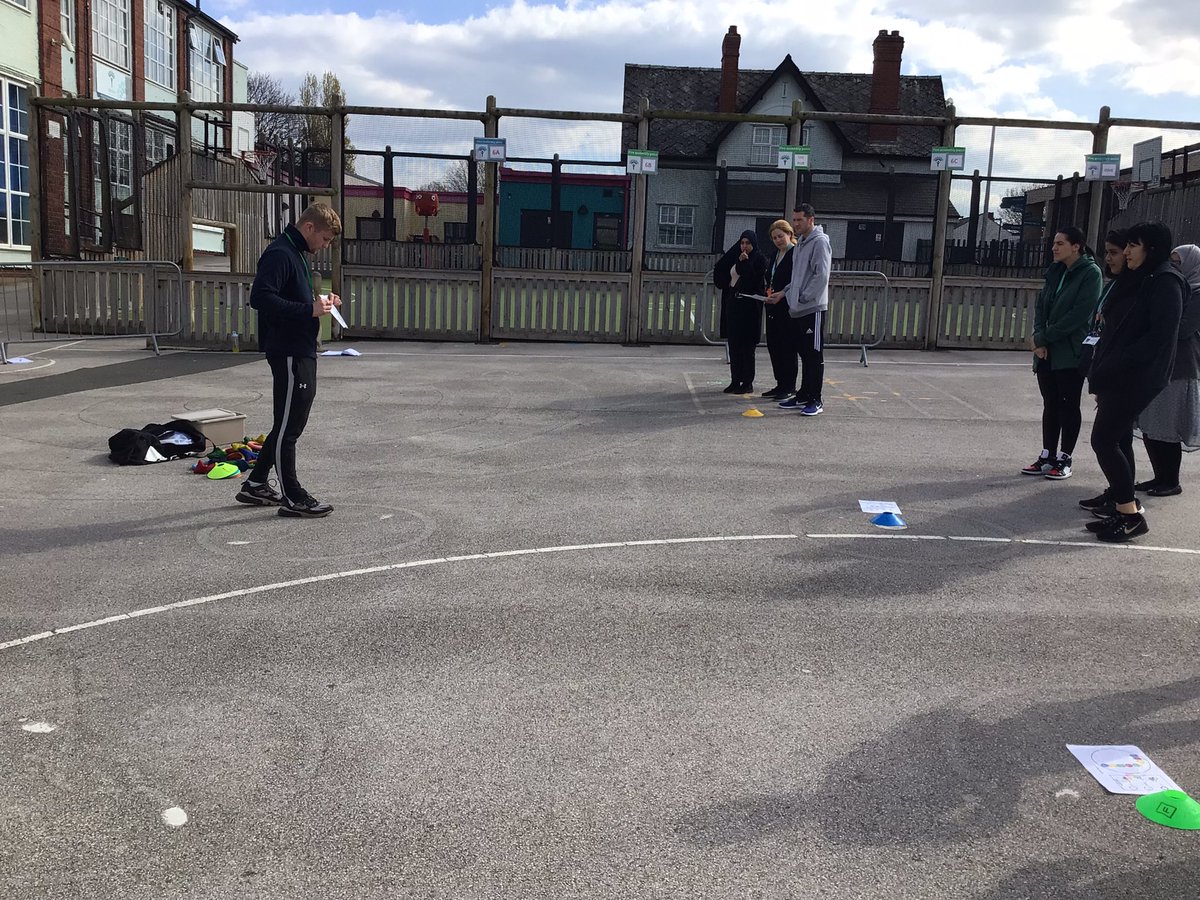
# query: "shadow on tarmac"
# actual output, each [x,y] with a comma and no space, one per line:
[935,781]
[137,371]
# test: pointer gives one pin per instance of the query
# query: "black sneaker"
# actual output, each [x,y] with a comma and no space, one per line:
[1091,504]
[1124,528]
[1039,466]
[732,389]
[1165,490]
[775,393]
[305,507]
[1059,469]
[259,495]
[1109,509]
[1146,485]
[795,402]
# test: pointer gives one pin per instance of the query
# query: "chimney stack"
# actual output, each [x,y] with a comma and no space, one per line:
[729,71]
[885,84]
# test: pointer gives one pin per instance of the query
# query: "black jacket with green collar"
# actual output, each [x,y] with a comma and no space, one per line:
[283,295]
[1064,310]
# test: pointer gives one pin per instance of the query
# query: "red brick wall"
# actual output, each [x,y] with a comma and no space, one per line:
[53,188]
[137,47]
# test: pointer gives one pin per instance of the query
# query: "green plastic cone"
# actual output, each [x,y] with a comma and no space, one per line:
[1174,809]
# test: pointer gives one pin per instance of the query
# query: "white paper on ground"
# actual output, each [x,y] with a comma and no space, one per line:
[19,360]
[879,506]
[1122,768]
[349,351]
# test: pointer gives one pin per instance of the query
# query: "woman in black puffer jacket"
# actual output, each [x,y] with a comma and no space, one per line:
[1131,365]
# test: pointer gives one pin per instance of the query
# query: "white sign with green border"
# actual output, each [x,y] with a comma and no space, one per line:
[1102,167]
[642,162]
[952,158]
[794,157]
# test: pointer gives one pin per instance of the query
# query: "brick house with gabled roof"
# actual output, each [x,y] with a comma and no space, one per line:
[871,184]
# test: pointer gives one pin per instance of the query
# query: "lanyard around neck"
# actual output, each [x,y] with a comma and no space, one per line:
[304,259]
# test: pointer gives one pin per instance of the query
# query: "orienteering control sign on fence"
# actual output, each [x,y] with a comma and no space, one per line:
[952,158]
[642,162]
[490,149]
[794,157]
[1102,167]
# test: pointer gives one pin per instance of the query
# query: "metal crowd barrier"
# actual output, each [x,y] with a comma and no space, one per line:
[55,301]
[856,309]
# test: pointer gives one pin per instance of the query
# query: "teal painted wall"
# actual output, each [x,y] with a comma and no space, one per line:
[516,196]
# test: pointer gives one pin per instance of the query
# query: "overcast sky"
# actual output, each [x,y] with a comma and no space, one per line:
[1025,58]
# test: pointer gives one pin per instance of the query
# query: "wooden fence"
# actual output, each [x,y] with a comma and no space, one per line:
[560,306]
[674,308]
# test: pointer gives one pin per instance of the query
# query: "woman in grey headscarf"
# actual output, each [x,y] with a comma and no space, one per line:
[1171,423]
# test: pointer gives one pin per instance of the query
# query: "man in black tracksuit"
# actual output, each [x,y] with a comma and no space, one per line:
[289,320]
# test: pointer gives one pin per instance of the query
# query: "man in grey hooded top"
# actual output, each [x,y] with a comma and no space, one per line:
[807,298]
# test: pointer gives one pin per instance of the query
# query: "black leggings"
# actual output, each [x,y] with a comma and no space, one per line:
[1112,440]
[1061,417]
[1165,458]
[295,388]
[782,347]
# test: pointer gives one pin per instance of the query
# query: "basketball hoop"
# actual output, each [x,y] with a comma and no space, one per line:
[260,161]
[1121,190]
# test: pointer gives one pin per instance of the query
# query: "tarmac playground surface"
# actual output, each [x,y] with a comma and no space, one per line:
[578,628]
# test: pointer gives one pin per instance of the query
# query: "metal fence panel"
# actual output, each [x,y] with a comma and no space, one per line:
[54,301]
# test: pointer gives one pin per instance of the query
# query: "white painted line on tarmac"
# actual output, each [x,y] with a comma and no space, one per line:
[55,347]
[878,537]
[692,390]
[372,570]
[1101,545]
[1087,545]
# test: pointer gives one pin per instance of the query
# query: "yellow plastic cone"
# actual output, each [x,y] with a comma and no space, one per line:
[752,413]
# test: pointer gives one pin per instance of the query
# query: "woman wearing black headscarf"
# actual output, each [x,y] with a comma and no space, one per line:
[1131,365]
[742,270]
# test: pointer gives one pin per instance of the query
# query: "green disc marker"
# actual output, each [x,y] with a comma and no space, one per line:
[224,470]
[1174,809]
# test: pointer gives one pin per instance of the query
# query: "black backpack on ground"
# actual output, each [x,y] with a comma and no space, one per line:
[156,443]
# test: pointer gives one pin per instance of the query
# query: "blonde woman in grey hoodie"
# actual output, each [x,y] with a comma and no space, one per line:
[807,299]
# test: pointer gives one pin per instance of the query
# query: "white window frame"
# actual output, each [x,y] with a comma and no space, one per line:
[67,21]
[765,141]
[159,33]
[10,188]
[111,32]
[206,64]
[670,216]
[21,4]
[160,144]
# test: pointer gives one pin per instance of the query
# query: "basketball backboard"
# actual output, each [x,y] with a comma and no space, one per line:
[1147,162]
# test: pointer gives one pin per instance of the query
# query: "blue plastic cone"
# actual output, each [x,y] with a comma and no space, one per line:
[888,520]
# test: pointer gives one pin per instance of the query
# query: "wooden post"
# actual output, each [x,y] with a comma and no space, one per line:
[637,255]
[337,179]
[933,312]
[491,128]
[1096,189]
[795,138]
[183,146]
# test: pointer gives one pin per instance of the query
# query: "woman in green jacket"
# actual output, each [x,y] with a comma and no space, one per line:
[1060,323]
